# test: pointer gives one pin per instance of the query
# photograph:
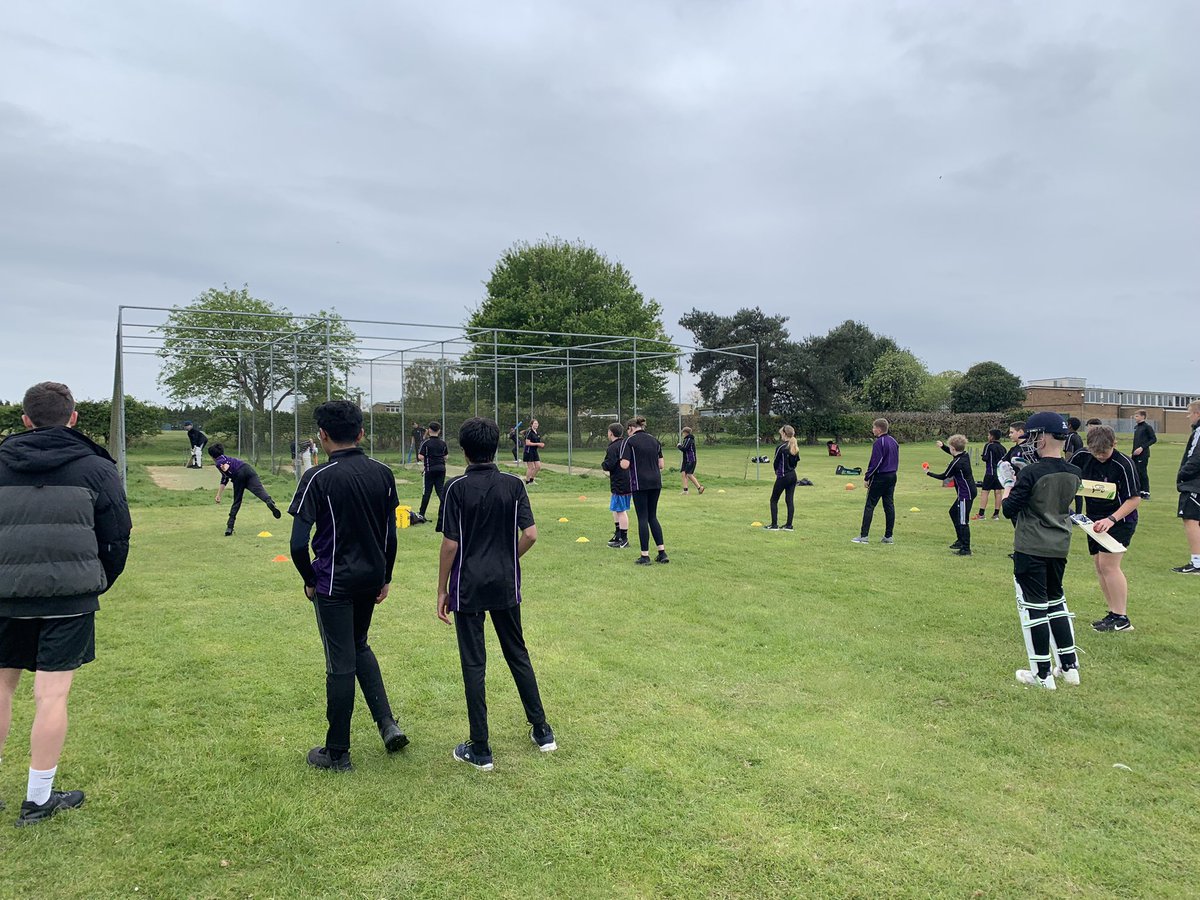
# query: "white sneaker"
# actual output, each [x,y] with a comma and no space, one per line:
[1070,676]
[1026,677]
[860,540]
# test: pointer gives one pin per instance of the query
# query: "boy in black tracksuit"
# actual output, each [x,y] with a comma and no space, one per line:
[432,454]
[351,501]
[964,487]
[244,478]
[487,527]
[1039,502]
[1143,439]
[618,483]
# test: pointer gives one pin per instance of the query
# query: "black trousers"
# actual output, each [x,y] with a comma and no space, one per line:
[785,486]
[247,479]
[645,505]
[883,487]
[343,623]
[1140,464]
[960,515]
[473,655]
[434,481]
[514,453]
[1040,583]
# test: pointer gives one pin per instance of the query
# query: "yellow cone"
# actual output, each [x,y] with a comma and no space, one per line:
[756,524]
[582,540]
[264,534]
[720,490]
[915,509]
[564,519]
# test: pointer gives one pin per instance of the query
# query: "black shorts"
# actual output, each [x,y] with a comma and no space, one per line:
[48,645]
[991,483]
[531,455]
[688,468]
[1189,507]
[1122,532]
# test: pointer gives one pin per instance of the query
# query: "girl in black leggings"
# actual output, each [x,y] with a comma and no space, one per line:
[787,454]
[642,455]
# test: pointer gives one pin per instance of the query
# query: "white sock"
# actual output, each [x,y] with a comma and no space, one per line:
[1196,560]
[40,784]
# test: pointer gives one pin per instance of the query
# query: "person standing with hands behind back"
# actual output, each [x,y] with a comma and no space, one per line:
[641,456]
[351,501]
[880,479]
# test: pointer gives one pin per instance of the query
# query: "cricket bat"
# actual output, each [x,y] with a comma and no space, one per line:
[1106,540]
[1102,490]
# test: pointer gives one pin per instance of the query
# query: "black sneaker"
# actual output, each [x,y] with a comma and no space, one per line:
[787,528]
[963,551]
[229,531]
[480,759]
[1113,622]
[957,545]
[543,738]
[642,561]
[275,512]
[33,813]
[416,519]
[319,758]
[1189,569]
[662,557]
[393,738]
[619,544]
[770,528]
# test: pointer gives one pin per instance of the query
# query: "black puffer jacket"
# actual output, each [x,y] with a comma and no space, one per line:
[64,523]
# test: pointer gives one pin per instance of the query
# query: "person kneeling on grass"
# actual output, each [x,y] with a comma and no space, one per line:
[487,528]
[964,485]
[351,501]
[618,483]
[1101,461]
[244,478]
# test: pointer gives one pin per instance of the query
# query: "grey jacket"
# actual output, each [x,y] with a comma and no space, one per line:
[64,524]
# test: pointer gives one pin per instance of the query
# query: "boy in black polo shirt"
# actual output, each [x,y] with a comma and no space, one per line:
[487,526]
[618,483]
[351,499]
[432,455]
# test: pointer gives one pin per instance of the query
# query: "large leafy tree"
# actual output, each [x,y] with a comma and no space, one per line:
[212,354]
[934,395]
[556,288]
[895,382]
[986,387]
[728,381]
[851,350]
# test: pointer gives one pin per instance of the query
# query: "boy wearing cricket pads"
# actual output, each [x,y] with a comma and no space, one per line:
[487,526]
[1039,501]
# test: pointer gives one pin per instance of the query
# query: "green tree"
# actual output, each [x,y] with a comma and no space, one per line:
[934,395]
[895,382]
[211,354]
[986,387]
[728,381]
[851,350]
[556,288]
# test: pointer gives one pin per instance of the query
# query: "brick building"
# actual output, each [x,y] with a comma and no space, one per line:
[1075,397]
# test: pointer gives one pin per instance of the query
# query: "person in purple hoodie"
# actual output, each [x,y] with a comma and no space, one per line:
[880,479]
[244,478]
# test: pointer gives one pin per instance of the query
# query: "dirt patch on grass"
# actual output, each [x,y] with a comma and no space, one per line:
[177,478]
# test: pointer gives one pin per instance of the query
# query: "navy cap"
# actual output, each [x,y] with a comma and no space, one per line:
[1050,422]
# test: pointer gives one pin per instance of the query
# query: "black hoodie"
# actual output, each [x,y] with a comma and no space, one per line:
[64,523]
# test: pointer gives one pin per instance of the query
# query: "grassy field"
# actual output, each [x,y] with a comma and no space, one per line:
[770,715]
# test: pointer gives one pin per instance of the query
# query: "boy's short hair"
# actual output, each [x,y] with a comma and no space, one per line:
[479,438]
[616,429]
[215,450]
[1141,412]
[1017,426]
[435,426]
[1073,423]
[340,419]
[1100,438]
[687,430]
[995,433]
[881,424]
[636,422]
[957,442]
[1194,406]
[1091,422]
[48,403]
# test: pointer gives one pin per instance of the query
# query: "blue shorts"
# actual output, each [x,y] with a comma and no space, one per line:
[620,502]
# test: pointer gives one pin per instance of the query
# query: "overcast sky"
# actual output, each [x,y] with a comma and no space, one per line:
[1014,181]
